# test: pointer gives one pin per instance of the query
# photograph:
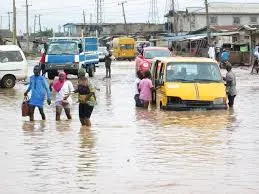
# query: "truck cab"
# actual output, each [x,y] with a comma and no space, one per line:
[70,54]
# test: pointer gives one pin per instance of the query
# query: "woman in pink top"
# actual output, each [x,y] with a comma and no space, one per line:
[146,87]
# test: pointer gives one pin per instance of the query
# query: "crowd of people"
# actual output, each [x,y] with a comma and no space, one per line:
[62,89]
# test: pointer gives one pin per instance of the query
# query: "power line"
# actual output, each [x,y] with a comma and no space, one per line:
[153,12]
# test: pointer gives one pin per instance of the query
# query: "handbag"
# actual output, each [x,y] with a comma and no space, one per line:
[25,107]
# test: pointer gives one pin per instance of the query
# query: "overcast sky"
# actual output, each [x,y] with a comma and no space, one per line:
[58,12]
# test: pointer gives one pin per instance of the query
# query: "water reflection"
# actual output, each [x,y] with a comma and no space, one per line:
[86,167]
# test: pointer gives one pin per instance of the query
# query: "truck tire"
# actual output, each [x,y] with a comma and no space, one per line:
[91,71]
[51,75]
[8,81]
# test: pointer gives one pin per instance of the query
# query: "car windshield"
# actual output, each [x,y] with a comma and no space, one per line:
[63,48]
[193,72]
[150,54]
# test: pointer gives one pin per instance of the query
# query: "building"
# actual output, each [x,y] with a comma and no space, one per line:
[5,36]
[220,14]
[111,29]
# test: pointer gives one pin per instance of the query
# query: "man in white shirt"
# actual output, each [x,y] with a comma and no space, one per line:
[211,52]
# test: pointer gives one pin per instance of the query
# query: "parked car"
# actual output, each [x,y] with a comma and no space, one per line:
[144,60]
[13,65]
[101,53]
[184,83]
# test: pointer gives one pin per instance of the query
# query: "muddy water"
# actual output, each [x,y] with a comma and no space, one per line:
[130,150]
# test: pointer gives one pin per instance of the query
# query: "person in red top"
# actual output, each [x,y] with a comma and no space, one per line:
[42,60]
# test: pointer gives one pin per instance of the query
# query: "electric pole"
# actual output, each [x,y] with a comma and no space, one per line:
[34,27]
[84,20]
[27,26]
[207,21]
[39,23]
[153,14]
[124,16]
[9,20]
[14,24]
[1,26]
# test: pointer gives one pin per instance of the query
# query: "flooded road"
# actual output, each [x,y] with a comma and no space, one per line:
[131,150]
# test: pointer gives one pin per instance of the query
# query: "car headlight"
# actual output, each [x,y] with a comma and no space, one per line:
[219,101]
[145,65]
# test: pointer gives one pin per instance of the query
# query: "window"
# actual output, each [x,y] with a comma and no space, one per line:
[150,54]
[127,46]
[63,48]
[253,19]
[193,72]
[10,56]
[236,20]
[213,20]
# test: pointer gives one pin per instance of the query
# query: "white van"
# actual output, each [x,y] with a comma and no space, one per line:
[13,65]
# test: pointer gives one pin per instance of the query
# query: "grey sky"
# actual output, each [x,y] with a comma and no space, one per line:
[59,12]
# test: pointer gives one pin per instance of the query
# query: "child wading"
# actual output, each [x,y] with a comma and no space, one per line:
[86,98]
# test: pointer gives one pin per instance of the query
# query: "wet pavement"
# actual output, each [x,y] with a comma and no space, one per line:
[130,150]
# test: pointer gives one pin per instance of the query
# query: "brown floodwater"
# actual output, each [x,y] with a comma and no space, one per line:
[130,150]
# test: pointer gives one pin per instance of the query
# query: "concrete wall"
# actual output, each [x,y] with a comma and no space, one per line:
[117,29]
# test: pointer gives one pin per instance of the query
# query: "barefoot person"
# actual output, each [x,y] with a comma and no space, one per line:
[63,88]
[39,88]
[86,99]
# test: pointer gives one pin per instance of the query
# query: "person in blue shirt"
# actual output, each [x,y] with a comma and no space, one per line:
[225,56]
[38,87]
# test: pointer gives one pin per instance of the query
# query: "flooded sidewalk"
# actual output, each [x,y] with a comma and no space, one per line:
[130,150]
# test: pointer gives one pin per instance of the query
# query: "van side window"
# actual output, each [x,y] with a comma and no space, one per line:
[10,56]
[158,67]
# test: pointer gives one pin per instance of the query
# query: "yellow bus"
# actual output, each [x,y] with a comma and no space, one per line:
[124,48]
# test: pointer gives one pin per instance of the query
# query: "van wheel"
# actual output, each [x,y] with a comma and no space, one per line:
[8,81]
[51,75]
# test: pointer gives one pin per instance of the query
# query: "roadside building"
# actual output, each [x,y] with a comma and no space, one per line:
[220,14]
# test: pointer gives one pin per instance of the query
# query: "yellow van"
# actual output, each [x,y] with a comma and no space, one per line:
[184,83]
[124,48]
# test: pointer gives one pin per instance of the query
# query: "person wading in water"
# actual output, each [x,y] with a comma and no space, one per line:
[230,85]
[38,87]
[63,88]
[86,98]
[108,61]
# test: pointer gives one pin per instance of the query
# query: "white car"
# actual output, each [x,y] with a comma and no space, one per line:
[13,65]
[101,53]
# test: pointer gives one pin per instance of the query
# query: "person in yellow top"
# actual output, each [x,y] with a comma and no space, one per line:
[86,99]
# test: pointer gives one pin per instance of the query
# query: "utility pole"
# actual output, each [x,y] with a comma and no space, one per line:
[84,21]
[14,24]
[124,16]
[9,20]
[39,23]
[153,13]
[207,21]
[34,27]
[1,26]
[27,26]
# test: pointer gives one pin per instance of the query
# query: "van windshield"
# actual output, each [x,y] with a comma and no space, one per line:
[150,54]
[193,72]
[127,47]
[10,56]
[63,48]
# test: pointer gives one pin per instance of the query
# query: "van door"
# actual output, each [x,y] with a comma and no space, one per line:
[159,82]
[91,50]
